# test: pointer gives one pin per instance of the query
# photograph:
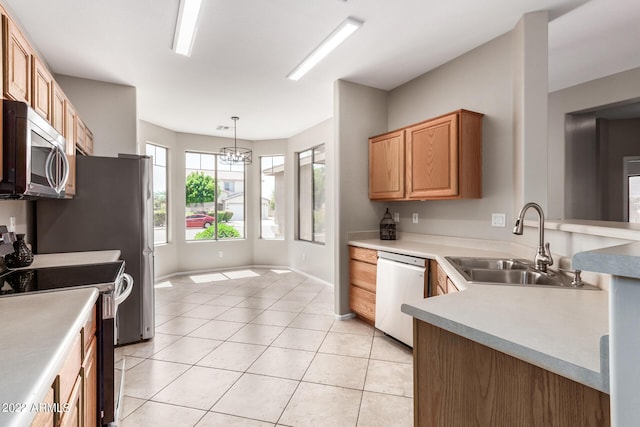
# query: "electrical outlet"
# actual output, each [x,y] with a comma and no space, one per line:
[304,256]
[396,216]
[220,254]
[12,223]
[414,217]
[498,220]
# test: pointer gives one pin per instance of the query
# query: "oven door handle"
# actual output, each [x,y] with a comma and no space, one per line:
[124,289]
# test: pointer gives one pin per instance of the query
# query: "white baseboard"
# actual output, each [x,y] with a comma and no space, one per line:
[344,316]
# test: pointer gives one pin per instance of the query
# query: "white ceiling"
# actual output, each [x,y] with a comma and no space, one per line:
[244,49]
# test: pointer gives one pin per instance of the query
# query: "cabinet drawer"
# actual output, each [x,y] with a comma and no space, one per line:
[70,368]
[362,254]
[363,275]
[362,303]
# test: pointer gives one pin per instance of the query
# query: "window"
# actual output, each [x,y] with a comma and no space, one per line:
[311,195]
[272,195]
[159,160]
[214,198]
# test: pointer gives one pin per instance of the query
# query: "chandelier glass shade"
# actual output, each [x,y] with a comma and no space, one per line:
[235,155]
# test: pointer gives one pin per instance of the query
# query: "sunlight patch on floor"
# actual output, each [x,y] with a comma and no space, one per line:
[240,274]
[212,277]
[165,284]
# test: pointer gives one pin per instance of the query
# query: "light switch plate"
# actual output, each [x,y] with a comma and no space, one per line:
[396,216]
[498,220]
[414,217]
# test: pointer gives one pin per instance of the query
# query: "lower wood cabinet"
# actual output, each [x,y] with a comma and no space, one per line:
[458,382]
[74,392]
[362,283]
[439,282]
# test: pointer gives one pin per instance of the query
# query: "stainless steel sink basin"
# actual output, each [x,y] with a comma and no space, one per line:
[509,271]
[491,263]
[513,277]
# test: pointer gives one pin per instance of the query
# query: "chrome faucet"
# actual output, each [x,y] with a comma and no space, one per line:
[543,257]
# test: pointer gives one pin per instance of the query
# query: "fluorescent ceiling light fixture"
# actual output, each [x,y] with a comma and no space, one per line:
[186,26]
[340,34]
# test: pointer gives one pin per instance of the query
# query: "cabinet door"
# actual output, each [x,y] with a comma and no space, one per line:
[90,377]
[70,117]
[81,134]
[73,415]
[432,158]
[17,62]
[386,166]
[44,418]
[42,85]
[88,142]
[58,100]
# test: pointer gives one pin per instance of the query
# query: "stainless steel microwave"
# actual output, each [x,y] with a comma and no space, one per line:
[34,163]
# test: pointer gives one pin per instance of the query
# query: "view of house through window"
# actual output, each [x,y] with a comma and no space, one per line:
[214,198]
[311,195]
[159,160]
[272,195]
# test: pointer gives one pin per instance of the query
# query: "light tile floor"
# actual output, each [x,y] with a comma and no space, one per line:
[258,347]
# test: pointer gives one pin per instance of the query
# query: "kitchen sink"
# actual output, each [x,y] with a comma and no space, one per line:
[513,277]
[491,263]
[509,271]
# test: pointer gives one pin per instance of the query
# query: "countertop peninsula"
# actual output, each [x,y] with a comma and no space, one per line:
[562,330]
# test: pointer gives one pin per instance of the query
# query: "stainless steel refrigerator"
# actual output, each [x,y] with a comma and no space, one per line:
[112,209]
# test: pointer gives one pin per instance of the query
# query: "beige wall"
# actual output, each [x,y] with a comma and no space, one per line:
[482,81]
[109,110]
[360,112]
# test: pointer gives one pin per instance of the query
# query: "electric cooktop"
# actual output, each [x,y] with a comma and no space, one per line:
[103,276]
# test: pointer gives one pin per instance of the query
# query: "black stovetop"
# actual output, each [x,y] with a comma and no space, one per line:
[17,282]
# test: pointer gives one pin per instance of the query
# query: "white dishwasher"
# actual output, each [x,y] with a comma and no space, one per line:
[399,279]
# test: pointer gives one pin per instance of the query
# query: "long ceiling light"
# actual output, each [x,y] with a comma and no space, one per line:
[340,34]
[186,26]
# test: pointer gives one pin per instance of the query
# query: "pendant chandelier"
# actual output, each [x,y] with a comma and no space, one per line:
[235,155]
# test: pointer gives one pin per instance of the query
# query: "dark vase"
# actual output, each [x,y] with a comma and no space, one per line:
[21,256]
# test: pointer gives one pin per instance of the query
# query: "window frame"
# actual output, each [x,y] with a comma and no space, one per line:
[260,196]
[313,191]
[166,180]
[216,170]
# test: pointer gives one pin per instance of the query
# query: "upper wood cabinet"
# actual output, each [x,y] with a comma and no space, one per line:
[42,90]
[70,119]
[386,166]
[58,100]
[16,60]
[442,160]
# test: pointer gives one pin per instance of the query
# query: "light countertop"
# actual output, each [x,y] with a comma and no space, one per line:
[37,332]
[74,258]
[617,260]
[560,330]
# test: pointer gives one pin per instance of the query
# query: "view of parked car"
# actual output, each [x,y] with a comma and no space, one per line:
[199,220]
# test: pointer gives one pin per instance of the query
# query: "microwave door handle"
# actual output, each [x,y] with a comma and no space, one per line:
[65,171]
[48,166]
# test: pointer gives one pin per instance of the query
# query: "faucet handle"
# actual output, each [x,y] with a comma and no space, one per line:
[577,279]
[548,253]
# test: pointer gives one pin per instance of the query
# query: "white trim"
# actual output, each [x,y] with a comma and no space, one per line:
[344,316]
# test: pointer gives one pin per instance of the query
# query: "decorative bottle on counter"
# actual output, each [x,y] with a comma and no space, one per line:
[21,256]
[387,227]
